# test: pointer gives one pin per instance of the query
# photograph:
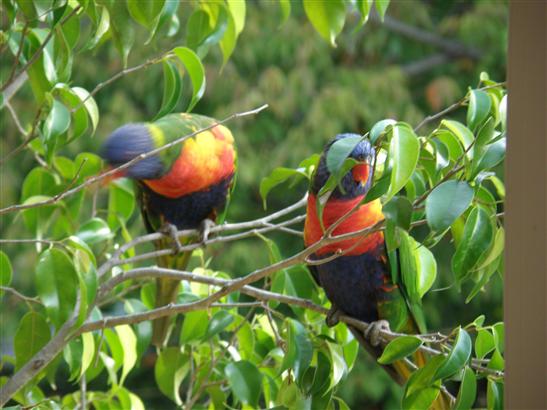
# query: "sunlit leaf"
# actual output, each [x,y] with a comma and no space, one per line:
[446,202]
[218,323]
[399,348]
[478,109]
[327,17]
[5,271]
[170,370]
[32,334]
[458,356]
[245,381]
[195,71]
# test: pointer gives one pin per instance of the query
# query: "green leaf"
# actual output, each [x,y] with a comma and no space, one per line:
[381,7]
[381,126]
[418,267]
[503,112]
[364,9]
[477,236]
[495,251]
[484,343]
[94,231]
[228,42]
[499,336]
[218,323]
[65,167]
[494,395]
[56,124]
[327,17]
[494,154]
[404,150]
[88,352]
[172,88]
[237,10]
[462,133]
[56,284]
[299,349]
[101,28]
[5,270]
[89,104]
[121,28]
[146,12]
[128,342]
[446,202]
[245,380]
[398,348]
[195,70]
[398,210]
[285,6]
[170,370]
[194,326]
[458,356]
[478,109]
[468,390]
[339,151]
[32,334]
[143,330]
[421,399]
[121,202]
[198,28]
[277,177]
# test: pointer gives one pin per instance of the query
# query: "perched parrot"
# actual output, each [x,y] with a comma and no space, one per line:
[186,186]
[359,283]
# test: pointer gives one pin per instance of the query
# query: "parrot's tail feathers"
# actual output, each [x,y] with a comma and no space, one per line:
[166,293]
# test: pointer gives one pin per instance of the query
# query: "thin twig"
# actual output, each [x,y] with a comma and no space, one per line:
[20,296]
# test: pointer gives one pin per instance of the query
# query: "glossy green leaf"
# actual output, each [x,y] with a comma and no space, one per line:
[121,202]
[327,17]
[195,71]
[420,399]
[381,7]
[88,352]
[503,112]
[299,348]
[499,336]
[339,151]
[218,323]
[495,250]
[143,330]
[121,28]
[89,104]
[399,348]
[56,285]
[339,367]
[285,6]
[172,88]
[277,177]
[381,126]
[198,28]
[100,29]
[404,150]
[418,267]
[38,219]
[468,390]
[5,271]
[245,381]
[94,231]
[65,167]
[237,9]
[194,326]
[477,236]
[364,7]
[128,341]
[478,109]
[170,370]
[494,396]
[398,210]
[145,12]
[446,202]
[494,154]
[458,356]
[462,133]
[228,41]
[484,343]
[32,334]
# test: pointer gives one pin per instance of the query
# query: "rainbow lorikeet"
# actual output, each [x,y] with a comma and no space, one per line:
[359,282]
[183,187]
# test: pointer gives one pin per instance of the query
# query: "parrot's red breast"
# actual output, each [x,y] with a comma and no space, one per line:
[367,215]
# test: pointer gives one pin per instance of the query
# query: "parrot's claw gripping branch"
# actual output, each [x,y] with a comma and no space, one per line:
[205,229]
[170,231]
[333,316]
[374,331]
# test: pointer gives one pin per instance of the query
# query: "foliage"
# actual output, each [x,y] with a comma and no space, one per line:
[434,185]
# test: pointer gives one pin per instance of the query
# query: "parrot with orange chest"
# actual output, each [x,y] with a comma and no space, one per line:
[186,186]
[359,282]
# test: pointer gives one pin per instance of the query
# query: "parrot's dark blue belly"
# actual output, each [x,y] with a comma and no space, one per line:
[354,284]
[185,212]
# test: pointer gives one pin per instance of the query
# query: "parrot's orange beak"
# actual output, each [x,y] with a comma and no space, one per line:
[360,173]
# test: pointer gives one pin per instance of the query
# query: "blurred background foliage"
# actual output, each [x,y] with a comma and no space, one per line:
[314,91]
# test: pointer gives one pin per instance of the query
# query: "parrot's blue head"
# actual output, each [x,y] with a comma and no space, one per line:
[128,142]
[355,182]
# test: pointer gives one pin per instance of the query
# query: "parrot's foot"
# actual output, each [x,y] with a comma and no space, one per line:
[170,230]
[373,331]
[205,228]
[333,316]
